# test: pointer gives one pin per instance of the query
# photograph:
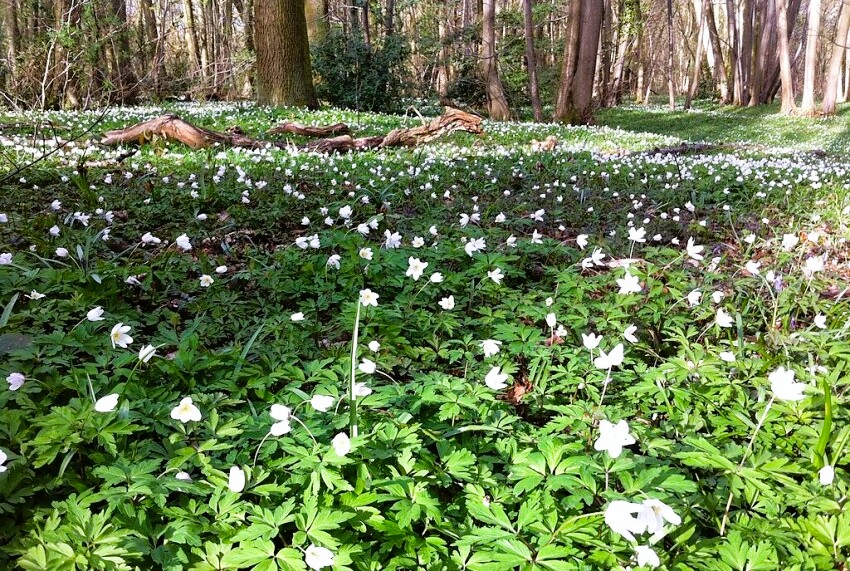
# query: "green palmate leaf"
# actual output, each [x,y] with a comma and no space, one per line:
[248,554]
[489,513]
[289,559]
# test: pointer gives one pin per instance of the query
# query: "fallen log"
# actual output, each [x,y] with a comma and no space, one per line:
[293,128]
[451,121]
[174,128]
[344,144]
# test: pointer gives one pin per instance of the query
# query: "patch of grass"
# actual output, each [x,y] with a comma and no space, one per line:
[762,126]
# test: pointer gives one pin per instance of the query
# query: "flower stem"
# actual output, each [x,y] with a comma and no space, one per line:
[298,420]
[605,386]
[741,464]
[260,445]
[352,399]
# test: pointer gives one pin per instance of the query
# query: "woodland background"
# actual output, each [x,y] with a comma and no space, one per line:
[556,59]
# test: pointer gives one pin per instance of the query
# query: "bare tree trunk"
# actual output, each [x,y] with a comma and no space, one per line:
[830,90]
[772,78]
[151,37]
[701,39]
[127,82]
[466,20]
[9,18]
[315,11]
[603,59]
[443,74]
[734,52]
[844,88]
[671,52]
[788,104]
[192,35]
[367,30]
[623,40]
[640,56]
[765,51]
[203,47]
[389,19]
[568,66]
[812,36]
[211,32]
[720,75]
[248,22]
[746,55]
[497,103]
[227,47]
[66,18]
[284,75]
[579,102]
[531,60]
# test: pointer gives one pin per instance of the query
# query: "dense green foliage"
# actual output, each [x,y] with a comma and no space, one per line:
[447,472]
[354,75]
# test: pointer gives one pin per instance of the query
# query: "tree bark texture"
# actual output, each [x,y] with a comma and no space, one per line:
[497,103]
[579,101]
[839,47]
[788,104]
[531,60]
[812,37]
[172,127]
[671,53]
[284,73]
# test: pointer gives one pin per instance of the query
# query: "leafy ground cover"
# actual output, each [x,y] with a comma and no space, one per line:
[570,359]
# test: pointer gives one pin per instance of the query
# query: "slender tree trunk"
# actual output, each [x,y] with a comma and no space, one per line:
[844,88]
[442,71]
[812,37]
[747,34]
[150,38]
[9,18]
[203,44]
[192,35]
[466,20]
[640,55]
[284,75]
[788,104]
[671,53]
[603,60]
[212,22]
[839,47]
[623,40]
[497,103]
[66,17]
[531,60]
[248,22]
[125,80]
[389,19]
[227,47]
[701,39]
[773,80]
[367,30]
[568,66]
[720,75]
[766,50]
[734,52]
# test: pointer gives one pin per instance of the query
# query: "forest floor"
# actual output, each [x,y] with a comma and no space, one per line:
[762,125]
[594,356]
